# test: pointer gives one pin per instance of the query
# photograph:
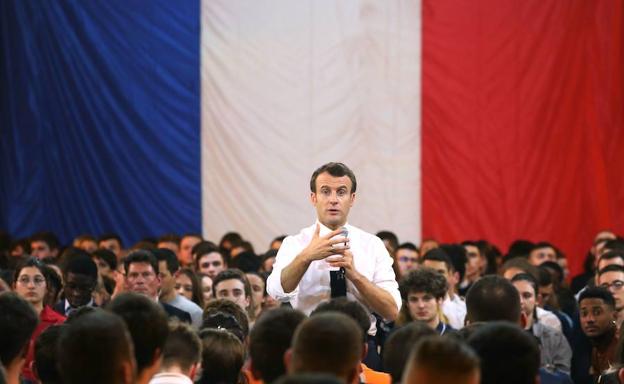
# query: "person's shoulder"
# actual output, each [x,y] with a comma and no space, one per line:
[187,305]
[50,316]
[176,312]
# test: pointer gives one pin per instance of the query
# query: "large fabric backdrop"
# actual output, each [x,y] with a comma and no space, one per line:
[496,119]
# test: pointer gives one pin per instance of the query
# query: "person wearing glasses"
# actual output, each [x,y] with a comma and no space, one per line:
[30,283]
[611,277]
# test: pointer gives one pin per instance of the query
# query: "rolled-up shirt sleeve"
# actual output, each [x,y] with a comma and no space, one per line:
[384,273]
[286,254]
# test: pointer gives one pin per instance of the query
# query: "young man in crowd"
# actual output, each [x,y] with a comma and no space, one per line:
[187,242]
[406,256]
[80,274]
[181,356]
[209,260]
[113,243]
[232,285]
[18,321]
[44,245]
[611,277]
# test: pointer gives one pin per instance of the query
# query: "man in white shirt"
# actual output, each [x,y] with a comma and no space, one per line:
[301,273]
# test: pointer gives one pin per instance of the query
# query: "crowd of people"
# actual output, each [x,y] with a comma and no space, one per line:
[331,304]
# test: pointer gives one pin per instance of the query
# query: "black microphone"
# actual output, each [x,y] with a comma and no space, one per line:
[337,279]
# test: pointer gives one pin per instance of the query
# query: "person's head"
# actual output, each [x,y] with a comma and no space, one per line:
[106,261]
[427,245]
[44,244]
[276,243]
[112,242]
[258,289]
[182,350]
[230,240]
[350,308]
[29,281]
[546,291]
[18,321]
[332,192]
[268,259]
[442,360]
[423,291]
[516,265]
[187,242]
[210,261]
[168,265]
[96,348]
[398,346]
[227,307]
[147,323]
[528,291]
[142,273]
[390,240]
[87,243]
[232,284]
[611,277]
[223,355]
[597,311]
[81,276]
[406,256]
[44,363]
[599,240]
[476,262]
[169,241]
[188,285]
[610,258]
[438,260]
[269,339]
[493,298]
[542,251]
[206,287]
[327,343]
[508,354]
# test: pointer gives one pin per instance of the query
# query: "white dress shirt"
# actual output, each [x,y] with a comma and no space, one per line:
[370,258]
[455,311]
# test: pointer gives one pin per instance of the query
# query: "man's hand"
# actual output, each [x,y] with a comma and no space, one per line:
[346,262]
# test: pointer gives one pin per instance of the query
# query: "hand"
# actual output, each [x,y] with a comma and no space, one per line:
[321,247]
[120,283]
[346,262]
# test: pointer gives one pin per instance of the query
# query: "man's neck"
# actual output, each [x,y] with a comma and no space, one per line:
[433,323]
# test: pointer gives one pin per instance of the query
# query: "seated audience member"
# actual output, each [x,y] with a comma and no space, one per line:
[187,242]
[209,259]
[268,259]
[170,242]
[541,252]
[106,262]
[398,347]
[442,360]
[218,310]
[276,243]
[96,348]
[206,287]
[475,265]
[44,245]
[549,294]
[611,277]
[87,243]
[493,298]
[80,274]
[390,240]
[493,256]
[453,307]
[370,357]
[46,356]
[113,243]
[181,356]
[142,277]
[406,256]
[327,343]
[232,285]
[167,266]
[615,257]
[270,338]
[457,255]
[223,355]
[423,291]
[598,321]
[147,324]
[188,285]
[30,283]
[555,350]
[258,291]
[426,245]
[495,344]
[18,321]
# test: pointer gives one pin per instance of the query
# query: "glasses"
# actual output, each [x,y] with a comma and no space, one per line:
[37,280]
[405,259]
[617,285]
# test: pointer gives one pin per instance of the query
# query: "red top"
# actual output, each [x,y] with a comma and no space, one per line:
[47,318]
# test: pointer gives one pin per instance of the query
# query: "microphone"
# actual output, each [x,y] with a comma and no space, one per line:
[345,233]
[337,279]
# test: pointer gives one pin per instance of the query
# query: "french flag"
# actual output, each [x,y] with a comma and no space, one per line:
[488,119]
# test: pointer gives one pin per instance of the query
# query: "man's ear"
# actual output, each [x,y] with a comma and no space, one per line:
[313,198]
[288,360]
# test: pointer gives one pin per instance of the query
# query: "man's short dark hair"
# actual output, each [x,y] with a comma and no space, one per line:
[410,246]
[613,254]
[93,348]
[508,354]
[390,237]
[46,357]
[47,237]
[493,298]
[223,356]
[140,256]
[597,293]
[399,345]
[107,256]
[424,280]
[204,248]
[440,255]
[611,268]
[351,308]
[81,264]
[182,348]
[329,343]
[445,356]
[231,274]
[169,257]
[169,238]
[457,254]
[270,338]
[336,170]
[147,323]
[18,321]
[110,236]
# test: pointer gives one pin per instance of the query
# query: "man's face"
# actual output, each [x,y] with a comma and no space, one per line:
[333,199]
[527,297]
[167,282]
[186,246]
[206,288]
[103,268]
[407,259]
[546,292]
[233,290]
[41,250]
[211,264]
[113,246]
[423,306]
[614,282]
[141,278]
[257,288]
[441,267]
[474,264]
[184,286]
[78,289]
[597,318]
[540,255]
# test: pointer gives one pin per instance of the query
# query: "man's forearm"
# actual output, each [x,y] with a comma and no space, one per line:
[293,273]
[378,299]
